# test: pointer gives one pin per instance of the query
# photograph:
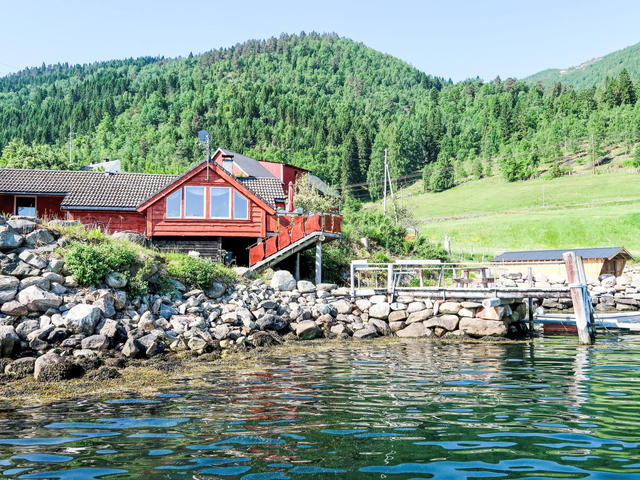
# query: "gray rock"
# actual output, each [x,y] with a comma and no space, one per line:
[364,333]
[447,322]
[25,328]
[28,256]
[326,287]
[395,326]
[13,308]
[420,316]
[57,336]
[363,304]
[150,344]
[220,332]
[83,318]
[199,344]
[8,282]
[8,340]
[11,265]
[132,348]
[308,330]
[216,290]
[449,308]
[134,237]
[52,367]
[397,316]
[106,307]
[8,295]
[415,307]
[37,299]
[55,265]
[271,322]
[116,280]
[477,327]
[283,281]
[343,307]
[39,237]
[21,368]
[340,328]
[9,238]
[39,282]
[22,225]
[120,300]
[416,329]
[95,342]
[381,326]
[53,277]
[304,286]
[380,310]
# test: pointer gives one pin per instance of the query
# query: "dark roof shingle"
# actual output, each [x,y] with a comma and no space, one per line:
[268,189]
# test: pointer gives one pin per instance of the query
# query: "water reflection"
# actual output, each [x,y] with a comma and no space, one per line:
[403,410]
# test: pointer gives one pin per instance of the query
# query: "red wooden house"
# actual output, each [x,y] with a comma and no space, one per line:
[227,204]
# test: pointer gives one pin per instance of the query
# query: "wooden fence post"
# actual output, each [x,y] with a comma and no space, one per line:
[580,297]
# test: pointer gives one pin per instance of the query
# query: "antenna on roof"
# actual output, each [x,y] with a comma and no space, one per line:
[203,135]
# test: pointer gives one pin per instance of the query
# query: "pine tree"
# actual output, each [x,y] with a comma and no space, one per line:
[626,93]
[350,164]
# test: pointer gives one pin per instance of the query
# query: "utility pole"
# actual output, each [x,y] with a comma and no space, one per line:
[385,182]
[70,141]
[393,198]
[593,150]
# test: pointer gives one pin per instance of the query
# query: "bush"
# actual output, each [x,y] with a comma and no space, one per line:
[196,272]
[90,263]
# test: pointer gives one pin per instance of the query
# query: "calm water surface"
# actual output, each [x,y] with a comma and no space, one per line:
[395,411]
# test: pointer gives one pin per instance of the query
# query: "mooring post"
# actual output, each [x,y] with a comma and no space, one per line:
[390,282]
[318,262]
[531,316]
[579,297]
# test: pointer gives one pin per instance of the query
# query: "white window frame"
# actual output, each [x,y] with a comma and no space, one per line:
[230,212]
[166,213]
[233,206]
[15,203]
[204,202]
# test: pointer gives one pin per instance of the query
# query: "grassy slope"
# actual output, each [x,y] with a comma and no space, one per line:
[595,73]
[492,215]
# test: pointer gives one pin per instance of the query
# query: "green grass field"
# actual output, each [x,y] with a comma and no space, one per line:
[492,215]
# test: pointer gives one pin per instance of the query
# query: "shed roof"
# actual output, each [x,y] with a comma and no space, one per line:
[548,255]
[250,166]
[86,189]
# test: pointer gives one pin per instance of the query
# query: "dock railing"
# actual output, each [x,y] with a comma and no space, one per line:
[435,278]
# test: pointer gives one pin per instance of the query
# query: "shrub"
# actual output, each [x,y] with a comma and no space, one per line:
[195,272]
[90,263]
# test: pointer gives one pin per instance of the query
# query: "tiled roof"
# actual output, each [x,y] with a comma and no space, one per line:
[541,255]
[268,189]
[248,165]
[89,190]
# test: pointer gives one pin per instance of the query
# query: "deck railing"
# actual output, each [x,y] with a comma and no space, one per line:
[292,228]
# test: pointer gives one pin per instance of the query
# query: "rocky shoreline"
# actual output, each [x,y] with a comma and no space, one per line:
[52,329]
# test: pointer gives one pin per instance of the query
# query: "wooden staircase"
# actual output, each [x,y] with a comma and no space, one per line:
[297,233]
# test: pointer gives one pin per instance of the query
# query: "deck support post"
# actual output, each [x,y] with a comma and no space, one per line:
[531,317]
[353,283]
[582,306]
[298,267]
[318,262]
[390,283]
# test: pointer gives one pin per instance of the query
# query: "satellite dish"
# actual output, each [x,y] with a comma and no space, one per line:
[203,135]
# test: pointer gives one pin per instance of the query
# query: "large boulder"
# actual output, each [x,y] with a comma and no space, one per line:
[83,318]
[39,237]
[52,367]
[491,313]
[8,282]
[29,256]
[21,368]
[305,286]
[448,322]
[416,329]
[22,225]
[477,327]
[9,238]
[367,332]
[380,326]
[343,307]
[132,348]
[283,281]
[95,342]
[14,308]
[8,340]
[308,330]
[380,310]
[39,300]
[449,308]
[419,316]
[271,322]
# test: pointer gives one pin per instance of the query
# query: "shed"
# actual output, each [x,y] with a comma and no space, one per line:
[597,261]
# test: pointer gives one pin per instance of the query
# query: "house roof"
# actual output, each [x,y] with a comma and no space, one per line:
[250,166]
[549,255]
[86,189]
[268,189]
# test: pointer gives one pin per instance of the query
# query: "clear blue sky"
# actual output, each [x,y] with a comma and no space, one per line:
[450,38]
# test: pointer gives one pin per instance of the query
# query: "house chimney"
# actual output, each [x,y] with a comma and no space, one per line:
[227,164]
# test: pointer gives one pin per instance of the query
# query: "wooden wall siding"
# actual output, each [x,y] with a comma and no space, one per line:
[159,226]
[110,221]
[48,206]
[6,204]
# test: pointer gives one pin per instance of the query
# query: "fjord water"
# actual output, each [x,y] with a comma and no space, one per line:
[405,410]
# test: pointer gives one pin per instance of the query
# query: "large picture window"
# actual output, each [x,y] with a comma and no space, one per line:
[174,204]
[220,202]
[240,206]
[194,202]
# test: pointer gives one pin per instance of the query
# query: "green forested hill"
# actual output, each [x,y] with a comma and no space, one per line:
[595,71]
[319,101]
